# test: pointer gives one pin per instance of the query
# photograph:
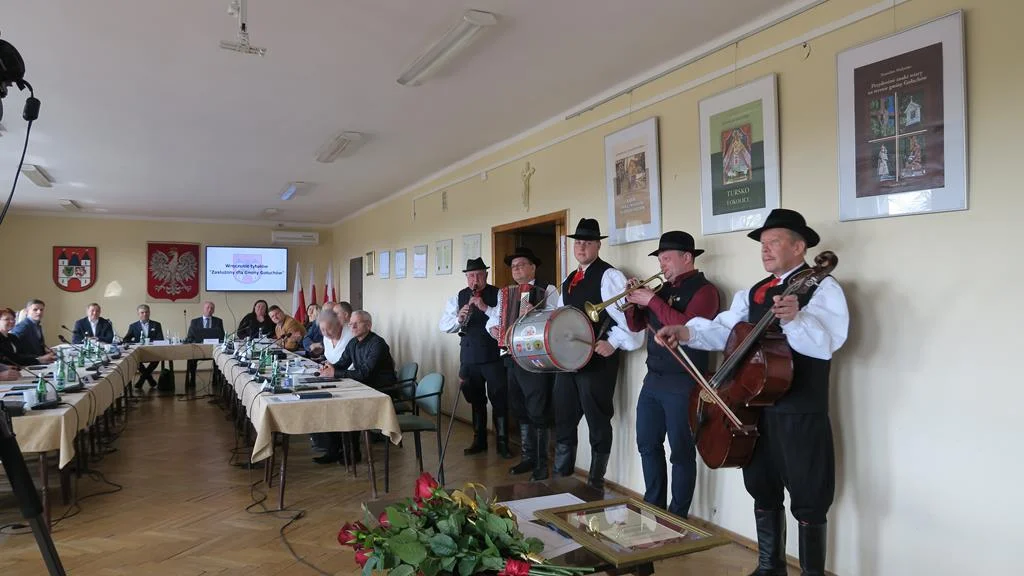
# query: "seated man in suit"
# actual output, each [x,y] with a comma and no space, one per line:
[150,330]
[313,341]
[93,326]
[286,325]
[202,328]
[30,330]
[11,347]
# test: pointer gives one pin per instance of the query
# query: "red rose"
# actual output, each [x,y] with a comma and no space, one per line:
[383,520]
[515,567]
[346,536]
[363,555]
[425,486]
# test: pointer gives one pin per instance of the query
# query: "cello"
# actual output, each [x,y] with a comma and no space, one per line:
[757,372]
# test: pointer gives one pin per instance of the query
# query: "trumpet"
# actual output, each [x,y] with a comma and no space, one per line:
[594,310]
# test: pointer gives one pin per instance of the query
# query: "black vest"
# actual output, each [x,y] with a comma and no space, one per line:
[809,391]
[589,290]
[477,345]
[658,357]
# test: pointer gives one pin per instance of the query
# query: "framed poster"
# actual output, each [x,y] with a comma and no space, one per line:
[400,262]
[443,257]
[384,264]
[739,157]
[633,181]
[470,246]
[419,261]
[172,272]
[902,123]
[369,260]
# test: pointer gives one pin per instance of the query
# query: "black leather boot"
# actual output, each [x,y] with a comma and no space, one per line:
[479,431]
[812,549]
[501,436]
[598,467]
[528,443]
[540,467]
[565,459]
[771,542]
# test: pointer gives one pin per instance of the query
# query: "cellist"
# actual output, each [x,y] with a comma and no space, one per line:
[794,450]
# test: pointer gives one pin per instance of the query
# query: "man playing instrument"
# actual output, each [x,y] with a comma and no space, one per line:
[590,391]
[662,407]
[481,373]
[529,393]
[794,450]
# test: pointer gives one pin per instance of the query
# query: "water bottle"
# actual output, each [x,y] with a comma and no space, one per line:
[58,372]
[41,390]
[72,375]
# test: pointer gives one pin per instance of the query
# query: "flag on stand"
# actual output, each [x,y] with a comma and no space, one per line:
[298,298]
[312,287]
[329,287]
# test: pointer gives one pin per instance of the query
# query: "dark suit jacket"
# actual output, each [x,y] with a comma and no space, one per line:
[83,330]
[31,342]
[156,331]
[313,336]
[12,351]
[371,362]
[196,332]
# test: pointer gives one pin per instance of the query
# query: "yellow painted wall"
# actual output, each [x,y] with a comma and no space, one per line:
[925,403]
[27,257]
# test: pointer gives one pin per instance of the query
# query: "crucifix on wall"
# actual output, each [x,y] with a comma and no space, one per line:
[527,174]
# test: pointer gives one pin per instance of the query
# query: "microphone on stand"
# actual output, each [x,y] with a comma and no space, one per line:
[94,367]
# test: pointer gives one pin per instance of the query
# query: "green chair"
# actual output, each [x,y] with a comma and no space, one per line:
[405,386]
[427,398]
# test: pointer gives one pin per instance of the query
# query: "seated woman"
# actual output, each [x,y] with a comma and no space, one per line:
[312,311]
[256,323]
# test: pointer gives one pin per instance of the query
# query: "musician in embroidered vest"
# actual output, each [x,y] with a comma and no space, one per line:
[529,393]
[794,450]
[481,372]
[663,405]
[590,391]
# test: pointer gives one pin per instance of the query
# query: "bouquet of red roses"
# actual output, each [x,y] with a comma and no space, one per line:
[437,533]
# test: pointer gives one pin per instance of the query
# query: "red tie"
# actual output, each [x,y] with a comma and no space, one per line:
[760,293]
[576,279]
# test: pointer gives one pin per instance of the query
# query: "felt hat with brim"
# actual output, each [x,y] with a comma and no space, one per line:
[677,240]
[587,229]
[522,252]
[790,220]
[475,264]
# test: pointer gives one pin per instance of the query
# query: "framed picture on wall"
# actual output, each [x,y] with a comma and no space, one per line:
[739,157]
[369,260]
[470,246]
[443,257]
[419,261]
[400,262]
[633,181]
[384,264]
[902,123]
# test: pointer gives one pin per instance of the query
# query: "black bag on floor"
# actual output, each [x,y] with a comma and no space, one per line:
[165,383]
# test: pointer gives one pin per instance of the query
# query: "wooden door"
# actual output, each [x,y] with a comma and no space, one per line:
[355,283]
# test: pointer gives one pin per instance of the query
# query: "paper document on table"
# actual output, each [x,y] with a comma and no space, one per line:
[524,509]
[554,543]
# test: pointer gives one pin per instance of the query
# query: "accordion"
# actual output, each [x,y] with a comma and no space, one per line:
[514,302]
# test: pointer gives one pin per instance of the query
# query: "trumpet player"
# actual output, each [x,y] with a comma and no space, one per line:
[590,391]
[481,373]
[529,393]
[662,407]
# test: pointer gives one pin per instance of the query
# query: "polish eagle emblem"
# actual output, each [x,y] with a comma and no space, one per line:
[172,272]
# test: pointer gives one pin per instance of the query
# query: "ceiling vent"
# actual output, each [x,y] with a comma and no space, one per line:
[341,145]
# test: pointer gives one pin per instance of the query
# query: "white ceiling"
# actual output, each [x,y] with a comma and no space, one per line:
[143,115]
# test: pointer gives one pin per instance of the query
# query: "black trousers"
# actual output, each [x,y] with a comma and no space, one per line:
[529,394]
[590,393]
[482,381]
[794,452]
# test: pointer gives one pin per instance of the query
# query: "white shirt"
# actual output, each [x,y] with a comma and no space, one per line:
[817,330]
[613,282]
[207,323]
[93,324]
[450,318]
[494,313]
[334,350]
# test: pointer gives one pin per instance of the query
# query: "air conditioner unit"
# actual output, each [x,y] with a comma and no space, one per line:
[295,238]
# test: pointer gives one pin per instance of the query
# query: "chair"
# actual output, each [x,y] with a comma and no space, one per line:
[406,384]
[428,398]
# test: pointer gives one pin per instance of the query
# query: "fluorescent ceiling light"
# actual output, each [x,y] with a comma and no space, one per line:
[37,175]
[343,143]
[455,40]
[292,189]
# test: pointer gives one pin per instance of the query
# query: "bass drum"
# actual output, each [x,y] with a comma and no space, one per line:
[559,340]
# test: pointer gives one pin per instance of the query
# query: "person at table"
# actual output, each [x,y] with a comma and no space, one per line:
[29,330]
[336,336]
[150,330]
[205,327]
[11,349]
[312,311]
[8,373]
[257,323]
[313,341]
[367,357]
[288,332]
[93,326]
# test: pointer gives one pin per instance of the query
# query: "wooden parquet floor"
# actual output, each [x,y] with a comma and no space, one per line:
[182,509]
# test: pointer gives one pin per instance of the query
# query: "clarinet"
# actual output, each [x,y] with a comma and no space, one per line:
[465,321]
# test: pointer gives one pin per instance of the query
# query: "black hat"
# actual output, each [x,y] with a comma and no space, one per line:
[587,229]
[790,220]
[676,240]
[522,252]
[475,264]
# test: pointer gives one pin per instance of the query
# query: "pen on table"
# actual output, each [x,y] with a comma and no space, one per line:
[557,530]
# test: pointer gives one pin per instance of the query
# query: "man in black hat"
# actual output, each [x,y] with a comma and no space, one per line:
[529,393]
[663,405]
[794,450]
[590,391]
[481,372]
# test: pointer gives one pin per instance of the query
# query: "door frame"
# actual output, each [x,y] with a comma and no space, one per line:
[501,275]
